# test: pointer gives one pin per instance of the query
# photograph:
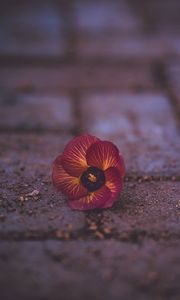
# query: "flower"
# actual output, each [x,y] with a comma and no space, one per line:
[89,172]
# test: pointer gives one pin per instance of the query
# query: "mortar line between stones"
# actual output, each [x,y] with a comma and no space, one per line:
[133,237]
[161,75]
[59,61]
[69,29]
[76,105]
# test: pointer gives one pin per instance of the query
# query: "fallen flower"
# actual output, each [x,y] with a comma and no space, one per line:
[89,172]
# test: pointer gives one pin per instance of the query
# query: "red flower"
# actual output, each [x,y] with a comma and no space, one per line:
[90,172]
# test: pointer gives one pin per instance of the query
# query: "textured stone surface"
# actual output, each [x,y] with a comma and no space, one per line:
[145,210]
[35,111]
[92,270]
[26,167]
[141,124]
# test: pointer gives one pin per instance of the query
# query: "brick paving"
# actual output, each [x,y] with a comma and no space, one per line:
[110,68]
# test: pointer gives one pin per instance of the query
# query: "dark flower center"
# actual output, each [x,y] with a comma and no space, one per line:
[92,179]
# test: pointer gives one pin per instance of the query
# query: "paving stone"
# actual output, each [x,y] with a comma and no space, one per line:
[101,16]
[128,47]
[77,77]
[29,204]
[31,207]
[148,209]
[34,111]
[141,124]
[173,78]
[30,28]
[92,270]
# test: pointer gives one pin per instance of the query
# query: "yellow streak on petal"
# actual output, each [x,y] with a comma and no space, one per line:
[76,180]
[106,164]
[83,162]
[111,186]
[89,198]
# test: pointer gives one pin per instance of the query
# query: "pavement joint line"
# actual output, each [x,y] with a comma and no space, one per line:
[69,31]
[66,60]
[162,78]
[134,237]
[76,104]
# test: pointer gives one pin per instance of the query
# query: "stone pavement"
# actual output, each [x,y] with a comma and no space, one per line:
[110,68]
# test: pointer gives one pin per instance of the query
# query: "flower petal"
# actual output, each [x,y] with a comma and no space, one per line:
[121,166]
[67,184]
[93,200]
[114,183]
[74,155]
[103,155]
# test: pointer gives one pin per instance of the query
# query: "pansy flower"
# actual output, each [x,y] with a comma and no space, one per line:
[89,172]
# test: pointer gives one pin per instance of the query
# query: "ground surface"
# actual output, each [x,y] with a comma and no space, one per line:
[110,68]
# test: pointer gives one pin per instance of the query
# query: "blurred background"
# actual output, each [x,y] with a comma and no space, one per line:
[54,53]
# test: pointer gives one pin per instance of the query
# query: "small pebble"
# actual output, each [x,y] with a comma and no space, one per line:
[107,230]
[21,198]
[33,193]
[99,235]
[93,226]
